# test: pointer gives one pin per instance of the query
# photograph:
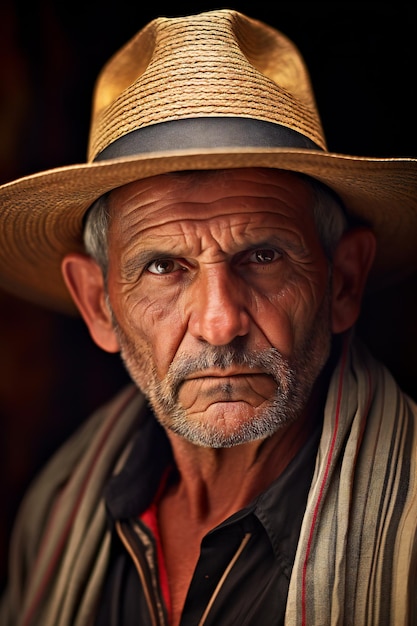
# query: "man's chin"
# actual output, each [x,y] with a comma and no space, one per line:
[224,424]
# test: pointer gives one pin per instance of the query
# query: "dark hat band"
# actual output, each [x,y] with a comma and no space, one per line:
[206,132]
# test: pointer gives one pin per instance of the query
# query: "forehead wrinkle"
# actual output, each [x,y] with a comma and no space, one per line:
[174,199]
[253,206]
[138,221]
[261,182]
[220,242]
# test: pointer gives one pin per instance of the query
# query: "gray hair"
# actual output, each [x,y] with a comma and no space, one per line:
[96,227]
[329,215]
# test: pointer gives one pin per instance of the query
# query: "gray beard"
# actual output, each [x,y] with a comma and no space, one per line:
[294,380]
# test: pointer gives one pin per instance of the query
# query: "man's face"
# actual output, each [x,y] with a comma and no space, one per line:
[220,296]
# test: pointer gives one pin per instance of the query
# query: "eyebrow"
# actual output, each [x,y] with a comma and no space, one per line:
[132,267]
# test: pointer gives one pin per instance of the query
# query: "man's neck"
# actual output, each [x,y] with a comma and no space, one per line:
[215,483]
[210,486]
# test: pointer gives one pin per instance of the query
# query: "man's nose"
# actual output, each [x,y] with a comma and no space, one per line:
[218,306]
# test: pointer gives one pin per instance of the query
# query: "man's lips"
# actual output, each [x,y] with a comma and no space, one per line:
[212,386]
[232,382]
[225,373]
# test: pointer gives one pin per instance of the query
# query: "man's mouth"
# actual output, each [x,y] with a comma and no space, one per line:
[226,373]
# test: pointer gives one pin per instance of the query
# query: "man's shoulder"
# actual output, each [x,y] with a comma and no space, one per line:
[123,409]
[72,481]
[99,440]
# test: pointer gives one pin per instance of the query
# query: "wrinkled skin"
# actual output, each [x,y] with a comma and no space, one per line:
[231,264]
[219,298]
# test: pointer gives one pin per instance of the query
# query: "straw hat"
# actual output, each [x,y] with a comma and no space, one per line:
[214,90]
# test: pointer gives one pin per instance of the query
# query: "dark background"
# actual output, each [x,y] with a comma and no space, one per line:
[362,58]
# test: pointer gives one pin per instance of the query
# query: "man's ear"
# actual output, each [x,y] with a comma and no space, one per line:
[352,261]
[85,282]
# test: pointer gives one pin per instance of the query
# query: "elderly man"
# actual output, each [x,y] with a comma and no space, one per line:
[261,469]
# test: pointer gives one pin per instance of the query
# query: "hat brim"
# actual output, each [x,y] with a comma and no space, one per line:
[41,214]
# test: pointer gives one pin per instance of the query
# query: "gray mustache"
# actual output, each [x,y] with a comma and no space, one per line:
[270,361]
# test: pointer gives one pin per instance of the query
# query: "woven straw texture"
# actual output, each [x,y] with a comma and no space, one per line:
[215,64]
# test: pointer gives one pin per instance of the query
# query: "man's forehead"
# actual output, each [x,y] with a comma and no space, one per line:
[246,207]
[210,184]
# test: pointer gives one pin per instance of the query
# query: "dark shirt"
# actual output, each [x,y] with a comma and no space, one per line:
[255,590]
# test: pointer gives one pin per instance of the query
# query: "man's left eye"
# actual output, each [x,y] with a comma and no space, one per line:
[264,255]
[163,266]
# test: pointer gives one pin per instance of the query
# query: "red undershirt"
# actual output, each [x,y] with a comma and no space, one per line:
[150,518]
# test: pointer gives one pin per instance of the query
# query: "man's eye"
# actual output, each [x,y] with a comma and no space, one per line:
[264,256]
[163,266]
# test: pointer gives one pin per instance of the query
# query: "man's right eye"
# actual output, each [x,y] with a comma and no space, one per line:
[163,266]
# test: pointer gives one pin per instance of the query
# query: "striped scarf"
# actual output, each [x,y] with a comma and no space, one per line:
[356,562]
